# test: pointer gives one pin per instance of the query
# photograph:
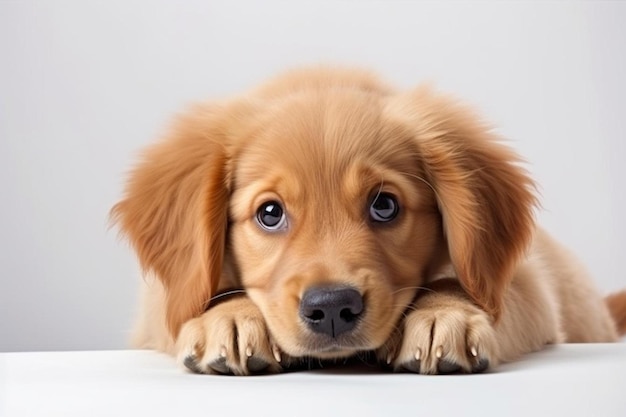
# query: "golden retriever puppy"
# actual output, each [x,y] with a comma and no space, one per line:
[325,215]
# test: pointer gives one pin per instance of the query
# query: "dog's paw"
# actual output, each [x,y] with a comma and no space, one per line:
[455,337]
[230,338]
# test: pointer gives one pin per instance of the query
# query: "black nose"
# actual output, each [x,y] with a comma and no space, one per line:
[331,310]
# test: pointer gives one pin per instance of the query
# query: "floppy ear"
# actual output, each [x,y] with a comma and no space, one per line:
[485,198]
[174,213]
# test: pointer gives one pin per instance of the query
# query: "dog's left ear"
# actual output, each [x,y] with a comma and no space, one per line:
[485,198]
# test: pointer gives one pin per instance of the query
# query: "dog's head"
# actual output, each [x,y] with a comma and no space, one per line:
[330,207]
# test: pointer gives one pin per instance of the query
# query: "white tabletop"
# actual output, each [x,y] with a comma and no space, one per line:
[584,380]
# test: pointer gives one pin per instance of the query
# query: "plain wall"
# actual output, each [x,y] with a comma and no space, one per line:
[85,85]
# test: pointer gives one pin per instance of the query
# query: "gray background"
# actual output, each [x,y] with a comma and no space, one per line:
[85,84]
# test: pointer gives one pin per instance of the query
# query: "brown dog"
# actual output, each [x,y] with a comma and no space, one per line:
[347,218]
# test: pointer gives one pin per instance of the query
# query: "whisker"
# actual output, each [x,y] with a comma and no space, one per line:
[413,288]
[227,293]
[409,309]
[422,179]
[380,188]
[363,358]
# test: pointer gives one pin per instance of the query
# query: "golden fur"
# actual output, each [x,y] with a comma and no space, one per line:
[462,279]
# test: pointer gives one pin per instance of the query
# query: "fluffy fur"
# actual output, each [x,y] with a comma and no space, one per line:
[462,279]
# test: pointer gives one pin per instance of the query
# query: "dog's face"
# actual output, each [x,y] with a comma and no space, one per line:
[330,207]
[333,225]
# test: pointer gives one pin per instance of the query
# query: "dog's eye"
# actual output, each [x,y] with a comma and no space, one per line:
[384,208]
[271,216]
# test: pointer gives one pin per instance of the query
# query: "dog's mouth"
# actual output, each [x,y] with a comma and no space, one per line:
[331,322]
[330,348]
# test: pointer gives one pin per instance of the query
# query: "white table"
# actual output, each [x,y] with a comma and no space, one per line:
[567,380]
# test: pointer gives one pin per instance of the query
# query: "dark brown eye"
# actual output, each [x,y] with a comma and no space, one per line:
[384,208]
[271,216]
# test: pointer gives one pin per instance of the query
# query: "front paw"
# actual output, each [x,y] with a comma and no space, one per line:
[451,336]
[230,338]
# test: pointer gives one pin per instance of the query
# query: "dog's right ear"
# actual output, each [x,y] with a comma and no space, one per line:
[175,211]
[485,197]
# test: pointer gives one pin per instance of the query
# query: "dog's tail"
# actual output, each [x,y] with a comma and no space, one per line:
[617,306]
